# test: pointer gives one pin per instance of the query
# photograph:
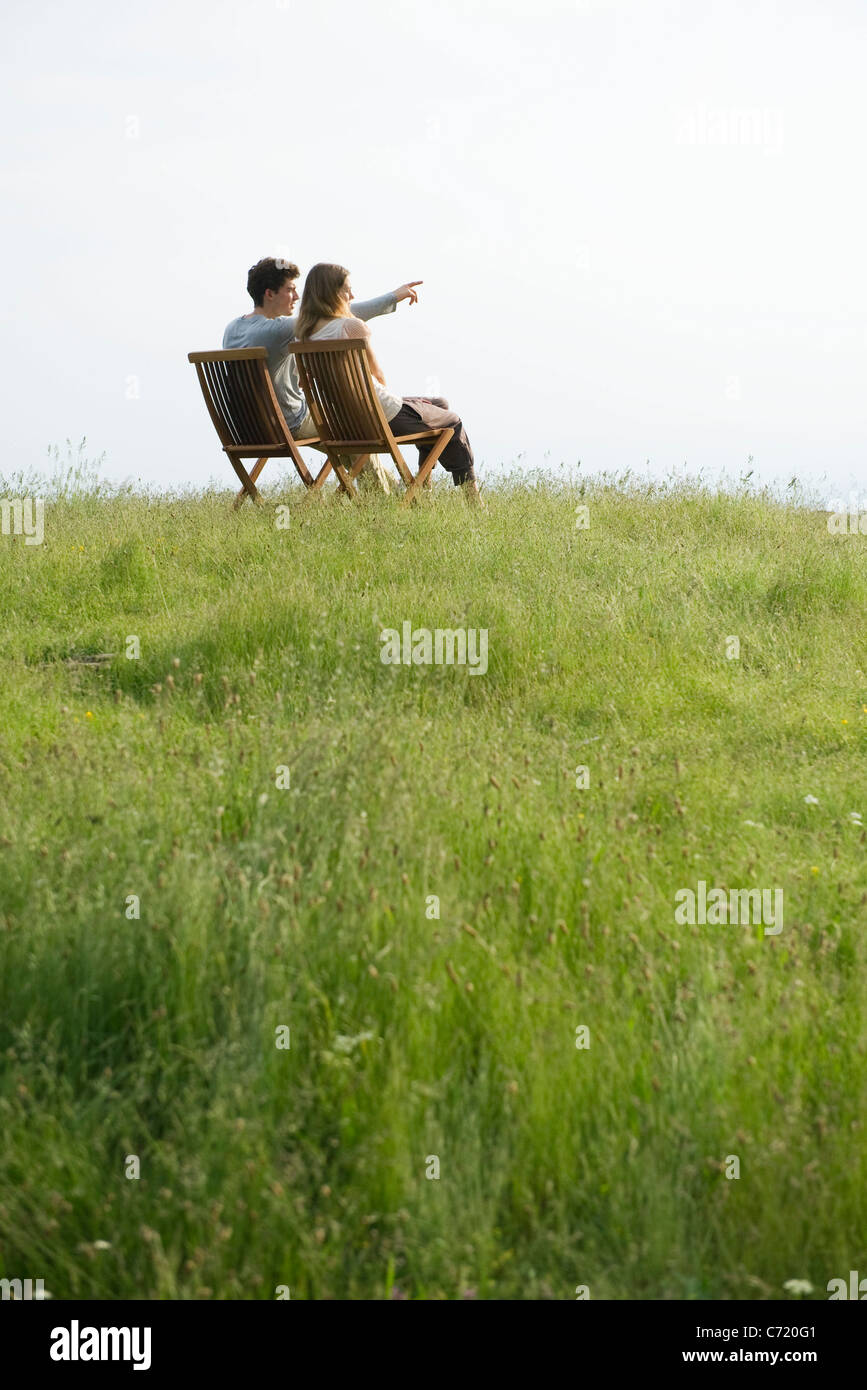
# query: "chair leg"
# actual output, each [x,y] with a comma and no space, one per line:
[427,467]
[344,478]
[248,485]
[304,473]
[254,473]
[355,469]
[402,466]
[314,484]
[360,464]
[326,468]
[301,467]
[338,463]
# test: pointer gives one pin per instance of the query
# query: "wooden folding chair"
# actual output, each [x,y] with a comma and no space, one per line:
[336,379]
[239,394]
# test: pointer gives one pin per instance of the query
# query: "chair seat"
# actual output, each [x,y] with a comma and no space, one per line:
[374,446]
[272,450]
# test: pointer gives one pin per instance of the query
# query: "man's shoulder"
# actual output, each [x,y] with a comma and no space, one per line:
[236,331]
[250,330]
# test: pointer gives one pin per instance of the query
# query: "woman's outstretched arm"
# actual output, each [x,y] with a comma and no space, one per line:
[385,303]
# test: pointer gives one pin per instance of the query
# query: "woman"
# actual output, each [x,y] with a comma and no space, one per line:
[325,313]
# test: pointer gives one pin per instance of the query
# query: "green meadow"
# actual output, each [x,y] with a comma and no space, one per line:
[376,991]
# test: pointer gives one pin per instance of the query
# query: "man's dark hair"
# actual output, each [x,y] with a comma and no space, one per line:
[269,274]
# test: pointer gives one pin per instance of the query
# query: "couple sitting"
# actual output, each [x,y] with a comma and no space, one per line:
[327,311]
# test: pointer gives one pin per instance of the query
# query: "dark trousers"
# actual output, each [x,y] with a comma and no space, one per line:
[457,456]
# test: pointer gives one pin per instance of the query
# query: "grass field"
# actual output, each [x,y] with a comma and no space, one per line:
[419,1041]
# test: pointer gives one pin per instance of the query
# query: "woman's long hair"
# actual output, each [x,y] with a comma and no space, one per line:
[321,298]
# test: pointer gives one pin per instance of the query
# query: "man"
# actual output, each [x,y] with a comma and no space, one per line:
[271,284]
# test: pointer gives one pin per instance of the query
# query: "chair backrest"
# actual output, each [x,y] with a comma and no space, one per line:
[335,378]
[240,397]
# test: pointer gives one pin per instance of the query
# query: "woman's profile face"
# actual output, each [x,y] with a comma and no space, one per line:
[346,291]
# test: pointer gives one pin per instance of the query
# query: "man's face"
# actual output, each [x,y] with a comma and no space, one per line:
[283,301]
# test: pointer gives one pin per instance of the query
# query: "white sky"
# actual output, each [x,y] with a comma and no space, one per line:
[641,223]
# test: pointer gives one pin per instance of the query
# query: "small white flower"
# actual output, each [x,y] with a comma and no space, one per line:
[811,800]
[855,817]
[756,824]
[344,1043]
[102,1245]
[798,1286]
[263,798]
[42,1293]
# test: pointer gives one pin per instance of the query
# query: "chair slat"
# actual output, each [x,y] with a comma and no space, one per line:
[336,397]
[268,403]
[338,388]
[311,394]
[363,384]
[239,391]
[353,387]
[218,381]
[238,395]
[256,400]
[327,404]
[213,409]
